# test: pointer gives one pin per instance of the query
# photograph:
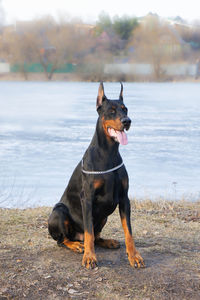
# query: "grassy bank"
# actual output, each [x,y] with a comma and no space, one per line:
[167,235]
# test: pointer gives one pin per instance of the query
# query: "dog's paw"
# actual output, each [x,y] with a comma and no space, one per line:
[74,246]
[136,260]
[78,247]
[89,260]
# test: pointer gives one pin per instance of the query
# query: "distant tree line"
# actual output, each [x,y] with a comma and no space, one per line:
[54,43]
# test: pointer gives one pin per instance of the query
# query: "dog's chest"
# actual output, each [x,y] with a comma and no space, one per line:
[107,195]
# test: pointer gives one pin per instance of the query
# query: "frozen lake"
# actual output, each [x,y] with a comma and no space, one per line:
[46,127]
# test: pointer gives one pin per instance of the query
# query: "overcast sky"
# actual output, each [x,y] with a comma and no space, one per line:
[89,10]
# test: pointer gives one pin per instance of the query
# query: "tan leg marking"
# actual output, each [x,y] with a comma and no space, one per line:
[134,256]
[74,246]
[89,257]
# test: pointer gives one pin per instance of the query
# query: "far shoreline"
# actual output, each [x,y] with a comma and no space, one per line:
[64,77]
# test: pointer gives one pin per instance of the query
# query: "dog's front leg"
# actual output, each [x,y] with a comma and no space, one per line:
[89,257]
[134,256]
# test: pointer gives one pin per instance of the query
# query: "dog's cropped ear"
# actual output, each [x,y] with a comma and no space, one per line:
[101,96]
[121,92]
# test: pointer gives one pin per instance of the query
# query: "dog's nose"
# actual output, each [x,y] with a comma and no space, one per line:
[126,122]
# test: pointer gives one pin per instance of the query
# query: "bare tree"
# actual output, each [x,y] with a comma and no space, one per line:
[156,43]
[20,49]
[52,44]
[60,43]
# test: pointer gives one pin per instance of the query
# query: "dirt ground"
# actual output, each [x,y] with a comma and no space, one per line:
[167,235]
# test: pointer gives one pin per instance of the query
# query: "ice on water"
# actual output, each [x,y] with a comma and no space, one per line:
[46,127]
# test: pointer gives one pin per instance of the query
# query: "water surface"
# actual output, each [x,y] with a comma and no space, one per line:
[46,127]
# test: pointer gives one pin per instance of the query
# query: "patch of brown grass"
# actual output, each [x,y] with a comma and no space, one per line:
[166,234]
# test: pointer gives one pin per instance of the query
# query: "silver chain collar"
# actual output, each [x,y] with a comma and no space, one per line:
[101,172]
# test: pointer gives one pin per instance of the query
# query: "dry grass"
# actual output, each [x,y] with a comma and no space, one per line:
[166,233]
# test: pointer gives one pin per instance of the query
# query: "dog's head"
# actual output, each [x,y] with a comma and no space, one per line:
[113,114]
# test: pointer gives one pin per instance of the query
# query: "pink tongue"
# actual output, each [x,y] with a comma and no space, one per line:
[122,137]
[119,135]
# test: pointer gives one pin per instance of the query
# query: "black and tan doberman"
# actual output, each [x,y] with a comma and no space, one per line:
[98,184]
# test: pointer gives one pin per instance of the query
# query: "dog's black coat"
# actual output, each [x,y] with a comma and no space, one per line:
[89,199]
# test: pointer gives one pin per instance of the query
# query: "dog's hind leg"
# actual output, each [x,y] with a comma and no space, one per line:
[61,229]
[105,243]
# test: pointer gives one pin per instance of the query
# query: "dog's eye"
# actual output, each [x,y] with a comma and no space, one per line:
[124,109]
[112,110]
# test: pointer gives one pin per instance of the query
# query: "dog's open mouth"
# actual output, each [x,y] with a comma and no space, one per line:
[118,136]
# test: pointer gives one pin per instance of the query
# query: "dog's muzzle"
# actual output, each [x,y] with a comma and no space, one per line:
[126,121]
